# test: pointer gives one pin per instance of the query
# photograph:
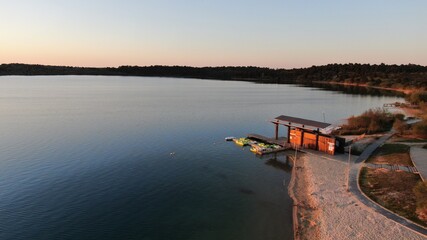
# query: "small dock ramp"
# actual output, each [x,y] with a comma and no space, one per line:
[280,141]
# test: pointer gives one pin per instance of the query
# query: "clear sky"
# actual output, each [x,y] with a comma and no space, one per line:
[278,34]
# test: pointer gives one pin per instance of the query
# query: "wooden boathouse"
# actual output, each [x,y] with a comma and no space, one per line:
[307,134]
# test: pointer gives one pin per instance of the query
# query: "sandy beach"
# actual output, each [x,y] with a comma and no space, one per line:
[308,212]
[328,211]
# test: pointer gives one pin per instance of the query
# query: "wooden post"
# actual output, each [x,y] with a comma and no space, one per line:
[317,140]
[302,136]
[289,134]
[277,131]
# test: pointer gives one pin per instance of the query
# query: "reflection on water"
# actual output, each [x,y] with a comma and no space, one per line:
[279,164]
[246,191]
[90,157]
[278,160]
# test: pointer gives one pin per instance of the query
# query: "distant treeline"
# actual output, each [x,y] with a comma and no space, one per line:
[408,76]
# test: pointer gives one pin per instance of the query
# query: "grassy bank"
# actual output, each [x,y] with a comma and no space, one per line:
[395,154]
[392,190]
[370,122]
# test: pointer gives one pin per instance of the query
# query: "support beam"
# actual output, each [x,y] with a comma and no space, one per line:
[289,134]
[302,137]
[277,131]
[317,140]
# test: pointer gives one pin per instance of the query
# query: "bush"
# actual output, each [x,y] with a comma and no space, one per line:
[371,121]
[420,128]
[417,97]
[399,116]
[420,191]
[400,126]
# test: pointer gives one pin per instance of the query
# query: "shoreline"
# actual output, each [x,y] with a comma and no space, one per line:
[405,91]
[328,211]
[306,215]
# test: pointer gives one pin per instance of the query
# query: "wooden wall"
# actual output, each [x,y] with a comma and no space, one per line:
[295,137]
[309,140]
[325,144]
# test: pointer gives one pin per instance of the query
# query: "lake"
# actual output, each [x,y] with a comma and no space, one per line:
[95,157]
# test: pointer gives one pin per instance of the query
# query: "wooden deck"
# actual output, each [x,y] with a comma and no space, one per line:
[282,142]
[410,169]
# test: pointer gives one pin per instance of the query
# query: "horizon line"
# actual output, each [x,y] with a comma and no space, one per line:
[213,66]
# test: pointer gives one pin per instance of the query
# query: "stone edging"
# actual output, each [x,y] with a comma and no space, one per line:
[375,206]
[410,156]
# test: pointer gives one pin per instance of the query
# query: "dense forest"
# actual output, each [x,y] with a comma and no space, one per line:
[408,76]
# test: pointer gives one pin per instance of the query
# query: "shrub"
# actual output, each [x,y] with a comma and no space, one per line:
[420,128]
[420,191]
[399,116]
[400,126]
[371,121]
[417,97]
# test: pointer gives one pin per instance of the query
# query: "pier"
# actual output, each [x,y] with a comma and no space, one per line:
[281,142]
[301,133]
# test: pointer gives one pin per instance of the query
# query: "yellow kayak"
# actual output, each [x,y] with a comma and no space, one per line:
[241,141]
[254,150]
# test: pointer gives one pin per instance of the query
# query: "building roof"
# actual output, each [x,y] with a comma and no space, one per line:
[301,121]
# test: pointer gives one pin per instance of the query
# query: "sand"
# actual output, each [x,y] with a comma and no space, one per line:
[333,212]
[308,213]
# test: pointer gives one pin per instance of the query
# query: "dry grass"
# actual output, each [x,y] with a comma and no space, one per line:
[371,121]
[393,154]
[393,190]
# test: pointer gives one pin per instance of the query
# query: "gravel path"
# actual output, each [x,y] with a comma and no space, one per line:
[419,158]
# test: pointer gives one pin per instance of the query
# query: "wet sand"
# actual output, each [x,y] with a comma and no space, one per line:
[308,216]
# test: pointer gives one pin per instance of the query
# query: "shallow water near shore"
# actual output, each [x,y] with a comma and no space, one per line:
[86,157]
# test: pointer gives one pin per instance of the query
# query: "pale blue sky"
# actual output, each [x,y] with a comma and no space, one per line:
[213,33]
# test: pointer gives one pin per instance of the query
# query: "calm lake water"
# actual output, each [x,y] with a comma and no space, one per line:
[84,157]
